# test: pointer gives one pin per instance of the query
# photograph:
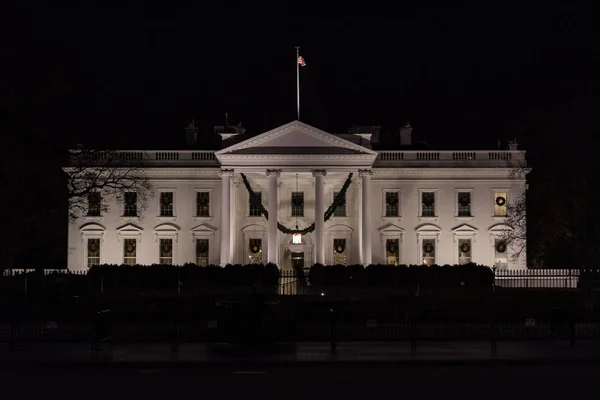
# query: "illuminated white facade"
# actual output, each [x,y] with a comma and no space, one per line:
[402,207]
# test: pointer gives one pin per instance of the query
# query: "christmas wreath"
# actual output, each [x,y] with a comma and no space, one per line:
[254,248]
[392,199]
[501,246]
[165,199]
[339,248]
[427,199]
[201,248]
[428,248]
[464,200]
[465,247]
[202,199]
[92,247]
[391,247]
[130,248]
[500,201]
[167,247]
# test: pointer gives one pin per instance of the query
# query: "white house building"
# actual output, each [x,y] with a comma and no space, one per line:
[401,207]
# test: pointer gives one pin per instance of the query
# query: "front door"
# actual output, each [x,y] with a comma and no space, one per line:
[298,260]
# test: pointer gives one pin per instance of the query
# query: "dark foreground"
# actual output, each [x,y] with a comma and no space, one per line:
[302,382]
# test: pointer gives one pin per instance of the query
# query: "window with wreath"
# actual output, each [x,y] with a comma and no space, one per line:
[428,249]
[203,204]
[94,204]
[392,204]
[130,205]
[166,251]
[93,252]
[500,253]
[255,209]
[500,204]
[297,204]
[129,251]
[166,204]
[464,204]
[340,210]
[392,252]
[339,252]
[464,251]
[255,251]
[428,204]
[202,252]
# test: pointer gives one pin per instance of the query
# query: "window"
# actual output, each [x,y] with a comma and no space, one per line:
[339,251]
[202,252]
[464,204]
[392,204]
[428,251]
[340,210]
[94,200]
[203,204]
[255,248]
[255,209]
[428,204]
[500,204]
[166,204]
[500,254]
[297,204]
[464,251]
[130,205]
[93,252]
[166,251]
[392,251]
[129,251]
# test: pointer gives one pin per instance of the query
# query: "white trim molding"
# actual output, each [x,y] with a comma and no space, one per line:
[205,231]
[427,231]
[254,231]
[211,199]
[167,231]
[467,232]
[471,192]
[130,231]
[436,204]
[391,231]
[339,231]
[384,204]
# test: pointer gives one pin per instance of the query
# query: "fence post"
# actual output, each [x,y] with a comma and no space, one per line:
[333,331]
[411,332]
[175,336]
[572,328]
[25,284]
[493,323]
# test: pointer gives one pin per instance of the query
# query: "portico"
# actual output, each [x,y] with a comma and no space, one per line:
[282,156]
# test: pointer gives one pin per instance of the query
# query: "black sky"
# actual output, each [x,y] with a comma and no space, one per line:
[134,75]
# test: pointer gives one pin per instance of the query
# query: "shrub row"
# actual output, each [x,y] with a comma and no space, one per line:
[469,275]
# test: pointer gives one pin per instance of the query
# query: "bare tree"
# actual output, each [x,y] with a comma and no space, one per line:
[108,172]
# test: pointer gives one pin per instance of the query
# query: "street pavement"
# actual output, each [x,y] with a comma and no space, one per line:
[160,355]
[302,382]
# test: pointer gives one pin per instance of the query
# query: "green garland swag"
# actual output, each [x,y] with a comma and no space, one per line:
[339,200]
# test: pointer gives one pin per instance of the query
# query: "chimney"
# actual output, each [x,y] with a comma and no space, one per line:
[406,135]
[513,145]
[191,134]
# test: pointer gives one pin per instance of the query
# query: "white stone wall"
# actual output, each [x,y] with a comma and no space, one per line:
[183,227]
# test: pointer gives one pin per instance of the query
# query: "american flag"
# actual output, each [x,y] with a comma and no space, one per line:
[301,61]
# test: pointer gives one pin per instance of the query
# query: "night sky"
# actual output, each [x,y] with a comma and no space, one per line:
[135,75]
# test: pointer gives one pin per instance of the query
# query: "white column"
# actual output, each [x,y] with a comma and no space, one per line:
[273,174]
[367,254]
[319,175]
[226,175]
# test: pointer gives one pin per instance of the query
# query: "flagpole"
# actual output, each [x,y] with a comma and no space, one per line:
[298,80]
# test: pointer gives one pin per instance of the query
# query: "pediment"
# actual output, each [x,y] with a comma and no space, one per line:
[295,140]
[501,227]
[254,228]
[391,228]
[464,228]
[166,228]
[92,227]
[428,228]
[203,228]
[129,228]
[340,228]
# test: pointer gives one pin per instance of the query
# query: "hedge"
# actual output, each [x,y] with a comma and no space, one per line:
[469,275]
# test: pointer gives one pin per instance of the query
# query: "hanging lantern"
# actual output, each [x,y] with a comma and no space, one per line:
[297,238]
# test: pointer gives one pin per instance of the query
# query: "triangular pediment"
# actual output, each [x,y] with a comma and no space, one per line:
[204,228]
[464,228]
[391,228]
[129,228]
[295,138]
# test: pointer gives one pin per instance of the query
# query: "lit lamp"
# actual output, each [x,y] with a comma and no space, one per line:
[297,238]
